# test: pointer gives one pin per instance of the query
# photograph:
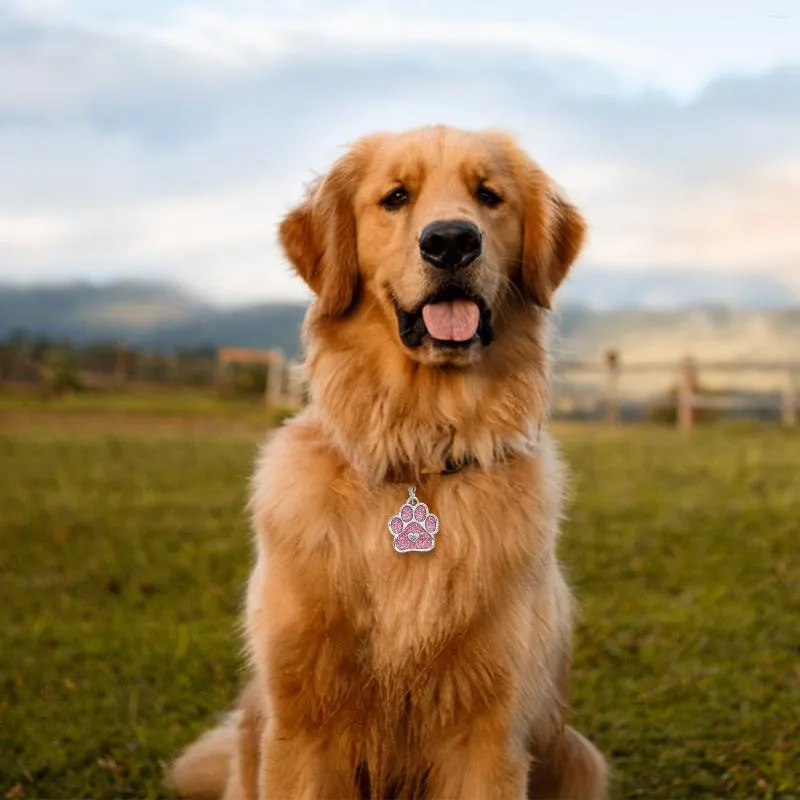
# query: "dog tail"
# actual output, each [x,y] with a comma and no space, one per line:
[203,769]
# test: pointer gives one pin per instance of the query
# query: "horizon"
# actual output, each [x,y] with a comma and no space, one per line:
[174,290]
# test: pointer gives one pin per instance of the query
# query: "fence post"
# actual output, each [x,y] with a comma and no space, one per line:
[173,367]
[687,390]
[612,387]
[294,387]
[273,395]
[220,369]
[790,400]
[120,365]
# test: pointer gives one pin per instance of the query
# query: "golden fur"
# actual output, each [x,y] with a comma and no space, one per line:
[437,675]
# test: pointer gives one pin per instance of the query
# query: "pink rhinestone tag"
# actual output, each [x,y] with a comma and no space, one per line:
[414,527]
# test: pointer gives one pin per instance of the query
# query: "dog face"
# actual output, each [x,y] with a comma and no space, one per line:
[442,229]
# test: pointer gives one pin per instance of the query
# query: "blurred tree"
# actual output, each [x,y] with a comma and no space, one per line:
[60,370]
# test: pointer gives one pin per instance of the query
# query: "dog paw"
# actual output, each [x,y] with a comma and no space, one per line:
[414,528]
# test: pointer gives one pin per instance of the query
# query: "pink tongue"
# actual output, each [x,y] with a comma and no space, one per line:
[454,321]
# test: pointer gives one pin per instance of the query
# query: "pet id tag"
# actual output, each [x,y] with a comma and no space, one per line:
[414,527]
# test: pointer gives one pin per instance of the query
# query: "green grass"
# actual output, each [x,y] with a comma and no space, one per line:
[170,410]
[169,402]
[123,560]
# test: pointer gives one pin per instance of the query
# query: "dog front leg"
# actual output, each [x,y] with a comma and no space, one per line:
[303,767]
[480,763]
[315,695]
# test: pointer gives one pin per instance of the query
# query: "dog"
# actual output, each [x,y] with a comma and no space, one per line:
[408,628]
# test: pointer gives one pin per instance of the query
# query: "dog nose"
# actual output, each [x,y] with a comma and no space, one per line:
[450,244]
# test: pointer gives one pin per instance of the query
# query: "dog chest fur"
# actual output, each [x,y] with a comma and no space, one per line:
[331,590]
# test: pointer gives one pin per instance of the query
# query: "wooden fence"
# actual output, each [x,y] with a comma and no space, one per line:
[285,378]
[596,384]
[685,394]
[688,395]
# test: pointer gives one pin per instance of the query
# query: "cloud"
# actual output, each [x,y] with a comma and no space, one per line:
[251,39]
[171,149]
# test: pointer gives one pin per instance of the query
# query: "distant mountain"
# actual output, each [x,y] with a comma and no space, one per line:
[263,325]
[162,317]
[152,315]
[84,310]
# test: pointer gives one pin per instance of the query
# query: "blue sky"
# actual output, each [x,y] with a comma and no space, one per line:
[165,139]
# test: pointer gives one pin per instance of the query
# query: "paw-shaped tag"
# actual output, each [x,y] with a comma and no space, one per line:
[414,527]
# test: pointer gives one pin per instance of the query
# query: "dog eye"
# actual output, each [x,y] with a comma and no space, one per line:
[488,197]
[397,198]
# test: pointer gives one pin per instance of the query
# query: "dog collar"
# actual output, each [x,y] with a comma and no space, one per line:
[450,466]
[409,475]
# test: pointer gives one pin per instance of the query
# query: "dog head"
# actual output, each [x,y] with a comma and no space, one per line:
[443,230]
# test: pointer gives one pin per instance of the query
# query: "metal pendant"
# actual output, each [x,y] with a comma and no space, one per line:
[414,527]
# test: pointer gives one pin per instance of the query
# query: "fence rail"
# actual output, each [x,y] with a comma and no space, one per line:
[581,384]
[689,397]
[286,379]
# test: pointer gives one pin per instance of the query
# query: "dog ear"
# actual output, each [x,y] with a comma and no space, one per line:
[553,230]
[319,237]
[551,243]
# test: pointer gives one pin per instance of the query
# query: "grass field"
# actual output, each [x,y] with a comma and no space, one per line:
[123,554]
[170,411]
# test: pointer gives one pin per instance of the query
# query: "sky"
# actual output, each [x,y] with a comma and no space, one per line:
[164,139]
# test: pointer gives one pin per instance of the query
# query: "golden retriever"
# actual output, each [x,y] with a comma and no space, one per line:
[404,646]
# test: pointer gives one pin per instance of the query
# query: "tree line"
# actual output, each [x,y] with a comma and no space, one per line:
[62,365]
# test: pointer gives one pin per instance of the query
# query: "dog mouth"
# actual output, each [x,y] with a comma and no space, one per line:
[449,318]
